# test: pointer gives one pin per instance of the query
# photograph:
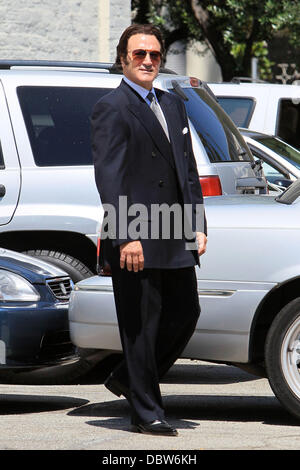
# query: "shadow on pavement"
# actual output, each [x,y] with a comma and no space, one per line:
[19,404]
[265,409]
[125,425]
[179,408]
[195,372]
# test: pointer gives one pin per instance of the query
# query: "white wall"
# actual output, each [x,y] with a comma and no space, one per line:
[114,17]
[196,61]
[62,29]
[201,63]
[86,30]
[176,58]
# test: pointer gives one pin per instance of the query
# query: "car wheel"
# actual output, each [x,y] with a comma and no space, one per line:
[75,268]
[282,356]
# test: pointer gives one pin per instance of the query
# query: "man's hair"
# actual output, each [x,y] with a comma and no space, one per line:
[131,31]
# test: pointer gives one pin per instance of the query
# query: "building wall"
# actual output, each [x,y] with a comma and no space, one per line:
[201,63]
[86,30]
[62,29]
[195,61]
[114,17]
[176,58]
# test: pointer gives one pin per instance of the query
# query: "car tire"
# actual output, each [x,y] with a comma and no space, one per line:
[75,268]
[282,356]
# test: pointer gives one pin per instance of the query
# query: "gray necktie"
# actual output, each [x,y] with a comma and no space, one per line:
[158,113]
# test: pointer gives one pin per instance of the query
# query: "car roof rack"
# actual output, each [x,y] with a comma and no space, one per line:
[56,64]
[247,80]
[9,64]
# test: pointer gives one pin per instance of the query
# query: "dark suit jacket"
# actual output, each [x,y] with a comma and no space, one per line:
[133,158]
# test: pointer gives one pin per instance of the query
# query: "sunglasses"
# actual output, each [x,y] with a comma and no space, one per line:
[140,55]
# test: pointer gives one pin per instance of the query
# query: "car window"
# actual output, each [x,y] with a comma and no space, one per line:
[239,109]
[2,166]
[271,173]
[284,150]
[273,170]
[220,137]
[58,123]
[288,123]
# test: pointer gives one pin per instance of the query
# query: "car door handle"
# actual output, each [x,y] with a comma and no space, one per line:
[2,190]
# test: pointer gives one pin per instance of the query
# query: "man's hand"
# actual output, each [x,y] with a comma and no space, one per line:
[201,242]
[131,255]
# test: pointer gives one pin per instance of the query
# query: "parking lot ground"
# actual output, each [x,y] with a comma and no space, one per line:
[214,407]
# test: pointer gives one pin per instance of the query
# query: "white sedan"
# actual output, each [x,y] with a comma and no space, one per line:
[249,292]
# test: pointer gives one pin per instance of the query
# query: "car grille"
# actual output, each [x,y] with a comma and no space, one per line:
[60,287]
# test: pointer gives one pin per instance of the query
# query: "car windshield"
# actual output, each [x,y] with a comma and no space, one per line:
[283,149]
[220,137]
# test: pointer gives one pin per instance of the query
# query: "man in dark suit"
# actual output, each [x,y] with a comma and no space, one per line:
[143,155]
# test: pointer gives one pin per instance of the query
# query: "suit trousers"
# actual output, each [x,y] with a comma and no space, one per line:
[157,313]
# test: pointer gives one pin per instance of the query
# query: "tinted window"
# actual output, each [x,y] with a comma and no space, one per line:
[239,109]
[288,125]
[220,137]
[58,123]
[284,150]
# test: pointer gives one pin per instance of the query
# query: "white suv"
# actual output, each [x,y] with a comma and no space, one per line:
[49,204]
[264,107]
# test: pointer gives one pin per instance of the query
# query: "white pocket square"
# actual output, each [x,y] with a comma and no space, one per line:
[185,130]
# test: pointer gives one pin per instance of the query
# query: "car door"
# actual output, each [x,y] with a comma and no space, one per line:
[10,177]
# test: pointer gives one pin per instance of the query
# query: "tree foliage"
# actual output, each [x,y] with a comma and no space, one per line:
[234,30]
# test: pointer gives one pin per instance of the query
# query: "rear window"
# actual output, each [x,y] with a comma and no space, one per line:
[239,109]
[220,137]
[58,123]
[288,125]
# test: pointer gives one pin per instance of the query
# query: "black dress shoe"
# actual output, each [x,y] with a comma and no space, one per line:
[116,387]
[156,428]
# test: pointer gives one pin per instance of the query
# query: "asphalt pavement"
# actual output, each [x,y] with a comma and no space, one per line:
[214,407]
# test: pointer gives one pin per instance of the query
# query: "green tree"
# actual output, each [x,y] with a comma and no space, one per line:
[234,30]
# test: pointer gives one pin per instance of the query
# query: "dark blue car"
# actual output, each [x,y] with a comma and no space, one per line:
[35,345]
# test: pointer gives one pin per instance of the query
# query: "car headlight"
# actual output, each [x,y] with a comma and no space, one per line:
[14,288]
